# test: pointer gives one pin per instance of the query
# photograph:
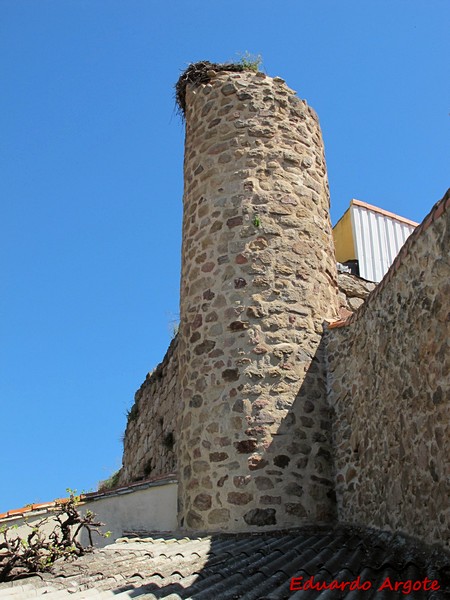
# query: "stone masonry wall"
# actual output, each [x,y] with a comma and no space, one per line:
[151,436]
[152,420]
[258,280]
[389,378]
[353,291]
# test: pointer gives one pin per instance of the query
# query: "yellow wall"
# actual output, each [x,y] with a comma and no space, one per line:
[343,239]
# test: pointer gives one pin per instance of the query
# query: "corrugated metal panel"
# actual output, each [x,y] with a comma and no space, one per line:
[378,238]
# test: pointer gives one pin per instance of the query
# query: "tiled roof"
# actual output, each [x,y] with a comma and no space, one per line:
[247,567]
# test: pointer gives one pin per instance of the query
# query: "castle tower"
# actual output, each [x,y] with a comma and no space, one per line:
[258,280]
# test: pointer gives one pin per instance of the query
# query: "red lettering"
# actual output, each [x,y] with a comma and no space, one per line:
[386,584]
[425,581]
[309,584]
[296,584]
[334,585]
[365,586]
[355,584]
[407,586]
[417,585]
[435,585]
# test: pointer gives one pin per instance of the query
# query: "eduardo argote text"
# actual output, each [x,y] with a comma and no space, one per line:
[405,587]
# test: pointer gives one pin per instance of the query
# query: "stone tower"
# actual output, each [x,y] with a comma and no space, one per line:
[258,281]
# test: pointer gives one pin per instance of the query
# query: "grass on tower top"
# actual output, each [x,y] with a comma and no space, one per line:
[197,73]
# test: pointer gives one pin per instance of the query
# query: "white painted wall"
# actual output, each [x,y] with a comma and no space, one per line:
[151,507]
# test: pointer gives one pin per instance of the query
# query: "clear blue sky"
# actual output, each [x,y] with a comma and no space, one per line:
[91,186]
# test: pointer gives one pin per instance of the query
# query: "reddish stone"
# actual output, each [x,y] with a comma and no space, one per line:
[234,221]
[208,267]
[239,498]
[218,456]
[208,295]
[195,337]
[198,320]
[203,501]
[222,481]
[245,446]
[240,259]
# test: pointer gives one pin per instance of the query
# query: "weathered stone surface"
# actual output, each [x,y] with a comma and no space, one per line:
[240,274]
[386,371]
[152,433]
[202,502]
[261,517]
[239,498]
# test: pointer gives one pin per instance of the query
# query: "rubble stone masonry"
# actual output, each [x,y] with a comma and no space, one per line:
[258,280]
[150,440]
[153,428]
[389,378]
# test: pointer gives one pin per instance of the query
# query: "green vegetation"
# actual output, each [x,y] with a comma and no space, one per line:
[110,483]
[133,413]
[36,552]
[250,62]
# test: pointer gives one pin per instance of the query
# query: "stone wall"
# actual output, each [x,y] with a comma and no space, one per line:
[353,291]
[151,436]
[258,280]
[152,421]
[389,385]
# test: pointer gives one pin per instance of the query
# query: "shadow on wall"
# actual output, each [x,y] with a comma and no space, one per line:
[298,459]
[284,476]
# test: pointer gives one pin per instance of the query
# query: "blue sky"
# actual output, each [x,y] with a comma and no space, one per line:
[91,156]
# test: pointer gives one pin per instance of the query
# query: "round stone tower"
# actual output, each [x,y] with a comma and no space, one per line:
[258,280]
